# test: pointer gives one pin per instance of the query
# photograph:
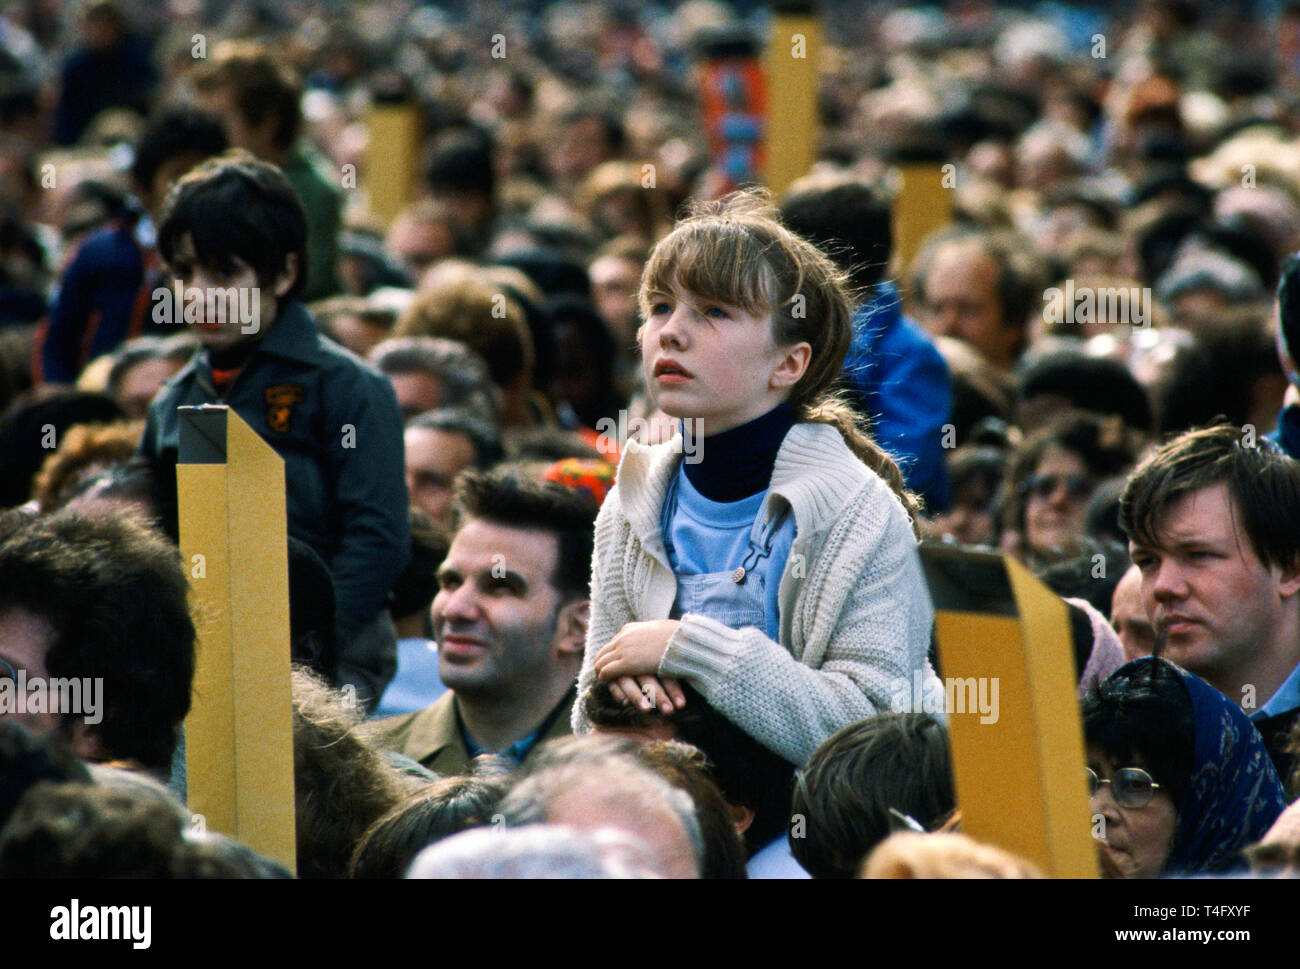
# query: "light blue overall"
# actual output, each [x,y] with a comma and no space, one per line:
[736,597]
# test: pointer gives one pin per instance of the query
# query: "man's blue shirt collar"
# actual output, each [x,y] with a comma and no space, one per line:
[1285,699]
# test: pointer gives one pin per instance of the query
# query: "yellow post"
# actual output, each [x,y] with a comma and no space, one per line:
[392,158]
[792,64]
[239,734]
[924,203]
[1019,773]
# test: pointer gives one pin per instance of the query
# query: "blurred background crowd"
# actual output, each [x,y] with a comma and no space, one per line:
[1147,150]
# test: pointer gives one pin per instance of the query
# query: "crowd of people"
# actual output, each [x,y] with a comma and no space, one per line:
[607,471]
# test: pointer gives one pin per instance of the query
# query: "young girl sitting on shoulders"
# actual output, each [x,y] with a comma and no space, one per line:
[766,555]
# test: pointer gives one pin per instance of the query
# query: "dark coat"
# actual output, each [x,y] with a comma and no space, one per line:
[334,420]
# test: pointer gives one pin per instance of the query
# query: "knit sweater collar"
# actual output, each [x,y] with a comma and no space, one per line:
[738,463]
[811,471]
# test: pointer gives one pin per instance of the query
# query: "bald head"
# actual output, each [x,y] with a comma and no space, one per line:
[1129,616]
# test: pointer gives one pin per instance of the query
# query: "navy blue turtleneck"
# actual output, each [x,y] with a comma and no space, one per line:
[738,463]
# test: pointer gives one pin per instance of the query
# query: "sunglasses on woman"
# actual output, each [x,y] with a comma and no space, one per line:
[1132,786]
[1077,486]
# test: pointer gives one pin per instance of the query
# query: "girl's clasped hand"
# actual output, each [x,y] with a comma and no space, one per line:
[630,664]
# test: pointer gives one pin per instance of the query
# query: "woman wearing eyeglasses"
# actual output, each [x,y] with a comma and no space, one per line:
[1180,780]
[1053,476]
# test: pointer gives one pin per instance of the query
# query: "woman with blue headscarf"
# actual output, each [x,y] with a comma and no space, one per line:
[1179,776]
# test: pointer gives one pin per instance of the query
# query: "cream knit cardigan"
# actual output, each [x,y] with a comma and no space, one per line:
[855,611]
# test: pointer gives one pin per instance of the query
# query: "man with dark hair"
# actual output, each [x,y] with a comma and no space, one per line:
[895,372]
[510,618]
[99,604]
[1214,527]
[235,236]
[257,97]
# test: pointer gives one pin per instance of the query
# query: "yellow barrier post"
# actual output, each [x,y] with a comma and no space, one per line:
[233,539]
[1019,778]
[793,66]
[922,205]
[392,157]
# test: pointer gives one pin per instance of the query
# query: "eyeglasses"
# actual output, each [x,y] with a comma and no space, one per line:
[7,671]
[1132,786]
[1077,486]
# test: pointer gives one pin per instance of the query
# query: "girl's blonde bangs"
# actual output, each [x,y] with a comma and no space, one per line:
[712,260]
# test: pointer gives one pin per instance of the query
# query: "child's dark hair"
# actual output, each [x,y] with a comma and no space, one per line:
[736,251]
[443,808]
[236,206]
[845,791]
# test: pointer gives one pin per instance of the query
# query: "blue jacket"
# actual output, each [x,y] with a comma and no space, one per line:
[346,486]
[98,303]
[92,80]
[901,381]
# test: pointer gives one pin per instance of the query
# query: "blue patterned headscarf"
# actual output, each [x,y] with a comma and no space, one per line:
[1233,795]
